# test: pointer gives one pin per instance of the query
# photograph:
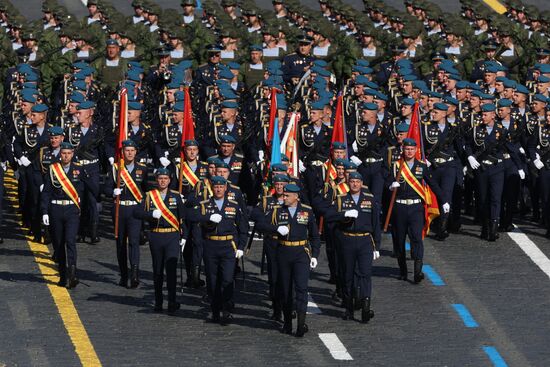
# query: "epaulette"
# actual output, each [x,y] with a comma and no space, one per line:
[205,64]
[146,125]
[294,53]
[201,162]
[174,192]
[307,206]
[77,164]
[232,201]
[239,155]
[204,201]
[214,156]
[234,186]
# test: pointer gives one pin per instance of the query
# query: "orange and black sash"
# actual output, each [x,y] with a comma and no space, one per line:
[156,198]
[331,170]
[189,175]
[342,188]
[66,184]
[413,181]
[130,183]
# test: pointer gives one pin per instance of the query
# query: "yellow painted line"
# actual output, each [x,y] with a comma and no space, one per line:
[61,297]
[496,6]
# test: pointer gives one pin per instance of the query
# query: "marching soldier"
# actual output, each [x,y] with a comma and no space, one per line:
[165,212]
[132,177]
[224,233]
[297,234]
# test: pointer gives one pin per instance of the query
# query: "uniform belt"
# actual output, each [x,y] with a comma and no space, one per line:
[356,234]
[164,230]
[85,161]
[293,243]
[372,160]
[220,238]
[443,160]
[490,163]
[128,202]
[316,163]
[408,201]
[506,155]
[62,202]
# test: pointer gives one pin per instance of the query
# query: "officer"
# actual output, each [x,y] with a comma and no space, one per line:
[60,200]
[297,63]
[165,212]
[296,229]
[132,179]
[224,234]
[357,216]
[408,211]
[228,155]
[485,151]
[268,202]
[193,170]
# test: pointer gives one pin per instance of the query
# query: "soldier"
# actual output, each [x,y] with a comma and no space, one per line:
[297,63]
[408,212]
[228,155]
[224,233]
[132,180]
[165,212]
[296,229]
[485,148]
[357,217]
[111,68]
[60,200]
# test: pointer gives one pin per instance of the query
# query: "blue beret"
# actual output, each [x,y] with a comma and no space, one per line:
[179,107]
[371,92]
[80,65]
[451,100]
[256,48]
[133,65]
[222,164]
[433,94]
[222,83]
[31,77]
[340,162]
[79,85]
[28,97]
[226,74]
[162,172]
[55,131]
[218,180]
[475,86]
[420,84]
[128,143]
[540,98]
[350,166]
[408,142]
[280,178]
[362,62]
[369,106]
[67,145]
[134,75]
[175,83]
[488,107]
[279,167]
[39,108]
[23,68]
[321,63]
[454,77]
[86,105]
[230,104]
[441,106]
[292,188]
[501,79]
[477,93]
[111,42]
[361,80]
[227,139]
[228,93]
[510,84]
[281,101]
[275,64]
[80,76]
[76,97]
[462,85]
[338,145]
[179,96]
[324,73]
[135,106]
[317,105]
[543,79]
[355,176]
[184,65]
[488,96]
[381,96]
[191,143]
[491,69]
[212,160]
[544,68]
[407,101]
[409,78]
[233,65]
[522,89]
[504,102]
[284,158]
[402,127]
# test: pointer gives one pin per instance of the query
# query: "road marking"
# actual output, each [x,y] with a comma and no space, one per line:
[335,347]
[61,297]
[465,315]
[312,307]
[531,250]
[496,6]
[494,356]
[20,314]
[433,276]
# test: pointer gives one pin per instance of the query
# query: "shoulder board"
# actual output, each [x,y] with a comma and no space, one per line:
[202,65]
[140,165]
[306,206]
[239,155]
[213,156]
[234,186]
[77,163]
[391,148]
[145,125]
[174,192]
[367,193]
[426,122]
[294,53]
[204,202]
[201,162]
[232,201]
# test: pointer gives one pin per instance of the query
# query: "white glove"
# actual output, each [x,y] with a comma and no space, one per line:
[521,174]
[46,219]
[428,163]
[538,163]
[182,244]
[282,230]
[355,160]
[111,161]
[464,170]
[164,161]
[313,263]
[521,150]
[353,213]
[446,208]
[4,166]
[239,254]
[376,255]
[473,162]
[354,147]
[394,185]
[261,155]
[24,161]
[117,192]
[301,166]
[216,218]
[157,214]
[41,187]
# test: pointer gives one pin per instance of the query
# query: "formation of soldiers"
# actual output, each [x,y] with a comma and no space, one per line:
[477,82]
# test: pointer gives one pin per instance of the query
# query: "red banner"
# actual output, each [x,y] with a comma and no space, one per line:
[122,121]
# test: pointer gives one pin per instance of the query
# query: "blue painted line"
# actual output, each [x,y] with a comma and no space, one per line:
[465,315]
[494,356]
[433,276]
[407,246]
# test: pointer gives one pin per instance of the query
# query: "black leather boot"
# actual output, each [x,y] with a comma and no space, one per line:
[123,282]
[493,231]
[349,311]
[302,327]
[485,230]
[73,280]
[62,277]
[277,312]
[287,326]
[158,280]
[134,282]
[442,233]
[402,269]
[366,312]
[418,274]
[94,238]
